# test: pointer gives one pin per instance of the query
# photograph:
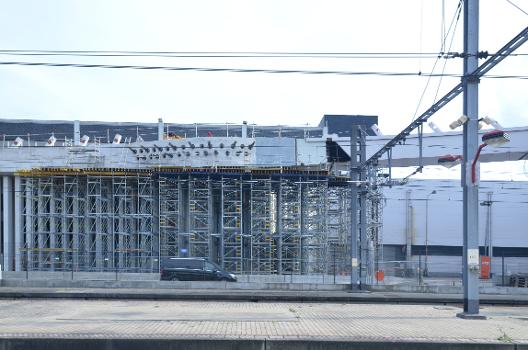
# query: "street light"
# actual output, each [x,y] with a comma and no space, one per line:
[449,160]
[426,270]
[493,138]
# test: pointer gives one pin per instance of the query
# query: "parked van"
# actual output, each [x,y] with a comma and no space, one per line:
[193,269]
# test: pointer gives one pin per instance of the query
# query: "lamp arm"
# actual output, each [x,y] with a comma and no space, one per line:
[474,163]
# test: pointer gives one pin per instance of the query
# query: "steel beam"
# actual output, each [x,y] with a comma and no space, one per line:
[495,59]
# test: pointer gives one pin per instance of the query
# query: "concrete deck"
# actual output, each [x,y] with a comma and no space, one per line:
[144,324]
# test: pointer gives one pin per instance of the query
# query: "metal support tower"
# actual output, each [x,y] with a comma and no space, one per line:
[261,227]
[197,244]
[355,171]
[144,223]
[87,223]
[375,223]
[289,229]
[470,82]
[338,207]
[365,243]
[314,234]
[233,240]
[169,216]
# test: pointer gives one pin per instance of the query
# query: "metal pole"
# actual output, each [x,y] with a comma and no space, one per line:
[426,268]
[334,263]
[354,177]
[365,246]
[470,262]
[503,268]
[490,232]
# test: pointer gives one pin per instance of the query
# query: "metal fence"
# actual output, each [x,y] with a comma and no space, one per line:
[334,269]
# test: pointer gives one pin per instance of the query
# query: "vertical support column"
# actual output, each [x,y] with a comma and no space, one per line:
[123,235]
[18,212]
[365,244]
[132,224]
[7,222]
[76,133]
[98,234]
[354,178]
[221,227]
[245,225]
[52,225]
[40,225]
[470,262]
[185,205]
[160,129]
[244,129]
[75,246]
[408,228]
[65,222]
[29,221]
[212,218]
[279,231]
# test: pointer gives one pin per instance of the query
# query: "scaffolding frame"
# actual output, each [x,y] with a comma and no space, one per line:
[261,228]
[129,221]
[88,223]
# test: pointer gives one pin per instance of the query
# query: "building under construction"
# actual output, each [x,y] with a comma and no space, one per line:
[107,197]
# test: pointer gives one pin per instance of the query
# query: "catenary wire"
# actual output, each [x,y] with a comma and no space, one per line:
[517,6]
[249,70]
[226,54]
[455,17]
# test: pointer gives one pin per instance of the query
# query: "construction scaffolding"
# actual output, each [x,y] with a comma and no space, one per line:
[88,223]
[261,226]
[374,228]
[338,228]
[129,221]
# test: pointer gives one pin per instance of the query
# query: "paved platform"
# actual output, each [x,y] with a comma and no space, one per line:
[257,325]
[220,294]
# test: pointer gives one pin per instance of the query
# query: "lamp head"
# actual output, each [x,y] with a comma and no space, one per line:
[496,138]
[449,161]
[459,122]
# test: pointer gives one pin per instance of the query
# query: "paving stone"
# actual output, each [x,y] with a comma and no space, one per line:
[57,318]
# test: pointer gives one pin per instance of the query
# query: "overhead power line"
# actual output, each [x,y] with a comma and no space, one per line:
[247,70]
[517,6]
[231,54]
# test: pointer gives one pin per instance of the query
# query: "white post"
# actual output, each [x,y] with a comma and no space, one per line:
[244,129]
[8,227]
[160,129]
[19,242]
[76,132]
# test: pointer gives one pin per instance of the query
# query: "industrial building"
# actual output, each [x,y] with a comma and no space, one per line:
[93,196]
[253,199]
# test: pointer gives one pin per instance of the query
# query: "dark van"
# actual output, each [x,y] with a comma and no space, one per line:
[193,269]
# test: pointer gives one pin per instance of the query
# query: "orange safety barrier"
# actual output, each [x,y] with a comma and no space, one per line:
[485,267]
[380,276]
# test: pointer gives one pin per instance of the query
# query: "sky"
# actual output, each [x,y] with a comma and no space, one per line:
[287,26]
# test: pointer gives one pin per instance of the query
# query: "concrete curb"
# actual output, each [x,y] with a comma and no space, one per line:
[254,296]
[236,344]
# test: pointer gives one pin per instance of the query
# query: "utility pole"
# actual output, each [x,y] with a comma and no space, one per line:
[364,258]
[470,259]
[354,178]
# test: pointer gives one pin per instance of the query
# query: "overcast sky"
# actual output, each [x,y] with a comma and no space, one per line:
[374,26]
[261,26]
